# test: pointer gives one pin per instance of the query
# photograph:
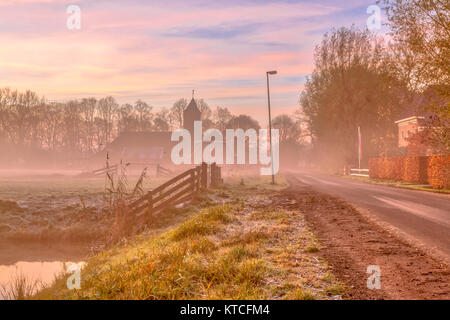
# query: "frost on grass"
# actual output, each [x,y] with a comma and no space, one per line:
[254,244]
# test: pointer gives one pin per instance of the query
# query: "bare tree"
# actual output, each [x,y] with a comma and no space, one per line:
[52,126]
[88,109]
[107,108]
[176,113]
[243,122]
[290,130]
[127,120]
[204,109]
[161,120]
[221,116]
[144,115]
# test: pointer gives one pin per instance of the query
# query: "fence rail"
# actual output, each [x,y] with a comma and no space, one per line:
[359,172]
[177,190]
[160,171]
[106,170]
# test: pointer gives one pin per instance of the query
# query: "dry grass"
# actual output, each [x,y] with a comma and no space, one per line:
[258,182]
[66,208]
[20,287]
[237,250]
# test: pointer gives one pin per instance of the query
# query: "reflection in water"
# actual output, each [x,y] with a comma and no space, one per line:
[44,272]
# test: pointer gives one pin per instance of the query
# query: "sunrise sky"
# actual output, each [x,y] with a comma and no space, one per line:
[160,50]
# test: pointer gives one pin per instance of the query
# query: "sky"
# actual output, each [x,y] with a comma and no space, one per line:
[159,51]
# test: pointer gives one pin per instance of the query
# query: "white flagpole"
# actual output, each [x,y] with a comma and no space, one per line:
[359,148]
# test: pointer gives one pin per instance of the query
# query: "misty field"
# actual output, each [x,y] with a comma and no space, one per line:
[57,207]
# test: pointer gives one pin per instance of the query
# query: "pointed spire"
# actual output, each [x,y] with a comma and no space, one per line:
[192,106]
[193,92]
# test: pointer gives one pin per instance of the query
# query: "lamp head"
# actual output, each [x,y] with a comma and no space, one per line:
[272,72]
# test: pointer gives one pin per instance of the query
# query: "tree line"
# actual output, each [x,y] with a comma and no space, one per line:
[79,128]
[362,80]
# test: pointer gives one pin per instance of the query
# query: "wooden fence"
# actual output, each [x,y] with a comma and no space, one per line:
[105,170]
[359,172]
[177,190]
[216,175]
[160,171]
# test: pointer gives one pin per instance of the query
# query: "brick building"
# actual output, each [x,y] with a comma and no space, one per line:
[407,127]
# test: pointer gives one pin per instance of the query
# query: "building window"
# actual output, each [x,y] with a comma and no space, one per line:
[403,134]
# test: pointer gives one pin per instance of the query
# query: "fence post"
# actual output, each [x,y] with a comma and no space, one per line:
[219,175]
[204,175]
[193,181]
[213,174]
[150,203]
[198,177]
[216,175]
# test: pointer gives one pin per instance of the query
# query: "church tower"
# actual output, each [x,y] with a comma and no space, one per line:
[191,114]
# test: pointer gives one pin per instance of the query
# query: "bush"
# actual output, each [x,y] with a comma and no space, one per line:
[387,168]
[374,168]
[416,169]
[439,171]
[434,170]
[398,168]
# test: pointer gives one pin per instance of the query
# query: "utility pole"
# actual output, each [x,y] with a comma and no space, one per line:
[270,123]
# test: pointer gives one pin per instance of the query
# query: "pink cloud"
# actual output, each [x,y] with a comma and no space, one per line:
[125,50]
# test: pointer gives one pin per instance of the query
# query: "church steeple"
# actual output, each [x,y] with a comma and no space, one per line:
[191,114]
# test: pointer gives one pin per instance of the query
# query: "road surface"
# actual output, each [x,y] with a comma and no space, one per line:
[423,216]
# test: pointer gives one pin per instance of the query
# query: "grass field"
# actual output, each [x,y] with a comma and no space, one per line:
[56,207]
[59,191]
[243,241]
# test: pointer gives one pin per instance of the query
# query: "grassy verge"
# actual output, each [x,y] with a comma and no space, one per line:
[399,184]
[259,182]
[247,242]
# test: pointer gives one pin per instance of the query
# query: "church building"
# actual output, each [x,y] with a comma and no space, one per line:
[153,147]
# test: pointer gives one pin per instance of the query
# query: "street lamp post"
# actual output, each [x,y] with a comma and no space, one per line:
[270,123]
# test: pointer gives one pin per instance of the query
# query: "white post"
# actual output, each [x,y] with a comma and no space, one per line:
[359,148]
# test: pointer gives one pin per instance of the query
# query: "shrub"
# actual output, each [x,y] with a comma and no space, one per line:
[439,171]
[387,168]
[398,168]
[374,168]
[410,169]
[384,169]
[415,169]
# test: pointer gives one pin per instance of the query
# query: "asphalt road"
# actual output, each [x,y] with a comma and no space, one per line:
[424,216]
